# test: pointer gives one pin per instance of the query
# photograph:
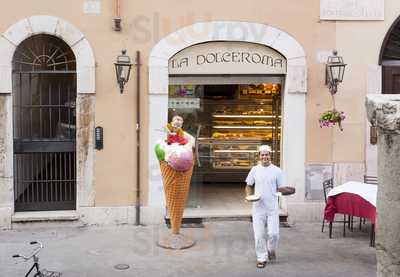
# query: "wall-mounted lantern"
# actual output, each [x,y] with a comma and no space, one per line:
[334,72]
[123,69]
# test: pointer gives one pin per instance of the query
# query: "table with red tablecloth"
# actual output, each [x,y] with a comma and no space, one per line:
[353,199]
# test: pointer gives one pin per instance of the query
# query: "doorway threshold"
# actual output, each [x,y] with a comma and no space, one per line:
[217,214]
[69,215]
[212,214]
[195,217]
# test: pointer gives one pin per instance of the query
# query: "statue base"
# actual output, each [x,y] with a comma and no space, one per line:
[175,242]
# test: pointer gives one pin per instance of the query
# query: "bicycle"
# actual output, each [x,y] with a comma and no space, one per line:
[33,255]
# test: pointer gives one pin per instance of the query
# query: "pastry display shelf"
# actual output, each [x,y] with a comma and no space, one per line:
[234,151]
[238,151]
[239,140]
[233,167]
[244,127]
[242,116]
[205,140]
[234,102]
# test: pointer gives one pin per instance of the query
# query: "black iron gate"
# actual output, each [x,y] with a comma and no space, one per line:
[44,125]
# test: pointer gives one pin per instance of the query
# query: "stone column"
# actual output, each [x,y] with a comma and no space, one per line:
[85,110]
[6,161]
[384,112]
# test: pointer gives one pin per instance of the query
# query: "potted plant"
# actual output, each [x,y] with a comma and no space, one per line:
[331,118]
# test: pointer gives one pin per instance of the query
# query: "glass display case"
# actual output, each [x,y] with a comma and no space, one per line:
[229,122]
[229,154]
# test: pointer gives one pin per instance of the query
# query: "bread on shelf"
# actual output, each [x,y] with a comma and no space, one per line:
[260,122]
[241,162]
[223,163]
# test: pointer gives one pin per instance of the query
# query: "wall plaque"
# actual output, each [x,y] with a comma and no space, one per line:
[352,9]
[92,6]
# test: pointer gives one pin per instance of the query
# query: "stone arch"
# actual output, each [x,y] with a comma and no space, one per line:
[294,93]
[18,32]
[85,67]
[389,49]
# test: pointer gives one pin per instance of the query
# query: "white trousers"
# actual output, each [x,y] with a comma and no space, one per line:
[260,223]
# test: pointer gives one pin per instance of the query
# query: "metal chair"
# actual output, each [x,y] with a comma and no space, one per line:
[368,179]
[327,185]
[373,180]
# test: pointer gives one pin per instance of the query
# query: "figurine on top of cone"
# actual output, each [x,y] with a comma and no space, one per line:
[176,148]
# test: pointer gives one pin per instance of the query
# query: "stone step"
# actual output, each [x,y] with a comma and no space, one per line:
[45,219]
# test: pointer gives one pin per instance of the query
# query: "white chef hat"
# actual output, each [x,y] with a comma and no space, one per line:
[264,148]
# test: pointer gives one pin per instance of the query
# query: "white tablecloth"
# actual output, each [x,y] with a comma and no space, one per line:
[366,191]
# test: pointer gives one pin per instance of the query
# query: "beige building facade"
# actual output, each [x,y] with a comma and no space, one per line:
[107,179]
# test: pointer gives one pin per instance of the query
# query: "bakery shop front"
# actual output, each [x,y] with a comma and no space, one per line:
[229,94]
[233,95]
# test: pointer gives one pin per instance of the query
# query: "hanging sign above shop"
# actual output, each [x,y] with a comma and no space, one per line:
[352,9]
[227,58]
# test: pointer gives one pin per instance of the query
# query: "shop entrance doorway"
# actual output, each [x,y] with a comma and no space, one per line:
[218,51]
[230,97]
[230,118]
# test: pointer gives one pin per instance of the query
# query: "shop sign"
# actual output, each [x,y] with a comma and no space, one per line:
[352,9]
[227,58]
[184,103]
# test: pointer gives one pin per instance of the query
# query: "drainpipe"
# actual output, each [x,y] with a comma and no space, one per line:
[117,18]
[137,65]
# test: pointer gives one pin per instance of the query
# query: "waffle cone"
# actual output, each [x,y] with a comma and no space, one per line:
[176,189]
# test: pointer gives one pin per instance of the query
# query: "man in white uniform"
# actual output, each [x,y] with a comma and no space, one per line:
[264,180]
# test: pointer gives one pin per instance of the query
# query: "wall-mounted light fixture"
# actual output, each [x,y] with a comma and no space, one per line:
[123,69]
[334,72]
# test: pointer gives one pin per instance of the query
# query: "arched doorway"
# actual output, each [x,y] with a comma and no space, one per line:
[44,124]
[229,95]
[294,93]
[389,58]
[85,107]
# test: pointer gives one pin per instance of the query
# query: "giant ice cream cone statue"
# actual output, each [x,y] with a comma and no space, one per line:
[176,164]
[176,188]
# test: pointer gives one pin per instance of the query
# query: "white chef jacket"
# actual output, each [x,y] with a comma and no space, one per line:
[266,180]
